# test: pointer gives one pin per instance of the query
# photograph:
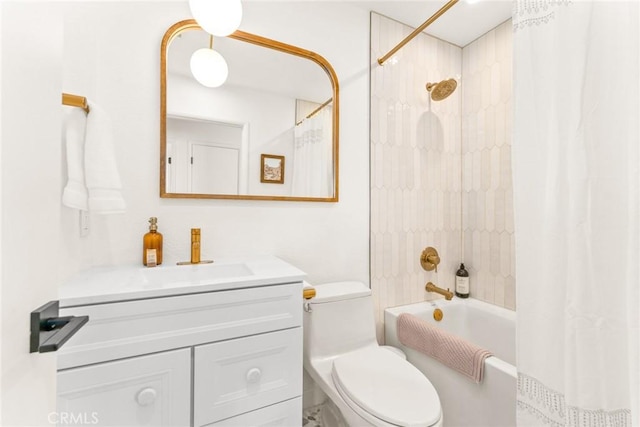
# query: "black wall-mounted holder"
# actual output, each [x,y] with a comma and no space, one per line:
[49,331]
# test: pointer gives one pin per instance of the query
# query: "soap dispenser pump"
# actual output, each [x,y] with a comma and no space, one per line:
[462,282]
[152,245]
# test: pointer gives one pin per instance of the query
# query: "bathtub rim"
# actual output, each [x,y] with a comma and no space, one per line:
[425,306]
[418,307]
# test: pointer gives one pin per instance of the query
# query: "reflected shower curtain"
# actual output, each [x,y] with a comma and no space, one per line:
[576,185]
[312,156]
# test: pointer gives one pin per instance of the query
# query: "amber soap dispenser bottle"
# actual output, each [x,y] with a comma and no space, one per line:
[152,245]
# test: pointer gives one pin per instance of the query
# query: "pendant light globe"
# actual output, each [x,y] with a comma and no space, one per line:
[209,67]
[217,17]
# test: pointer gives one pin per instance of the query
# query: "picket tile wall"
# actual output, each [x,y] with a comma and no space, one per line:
[440,171]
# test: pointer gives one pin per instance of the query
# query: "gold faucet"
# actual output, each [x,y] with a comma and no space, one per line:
[195,245]
[430,287]
[195,249]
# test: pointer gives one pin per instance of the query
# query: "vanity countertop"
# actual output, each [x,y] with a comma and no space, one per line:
[122,283]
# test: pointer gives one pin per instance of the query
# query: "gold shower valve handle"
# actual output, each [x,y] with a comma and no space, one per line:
[430,259]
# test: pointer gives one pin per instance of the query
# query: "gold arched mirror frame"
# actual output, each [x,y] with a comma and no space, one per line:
[260,41]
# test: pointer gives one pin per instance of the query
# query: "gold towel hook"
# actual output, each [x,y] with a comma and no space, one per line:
[76,101]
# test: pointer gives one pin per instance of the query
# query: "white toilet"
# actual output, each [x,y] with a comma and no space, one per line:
[371,385]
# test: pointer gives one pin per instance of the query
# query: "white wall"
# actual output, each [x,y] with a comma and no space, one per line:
[112,55]
[31,80]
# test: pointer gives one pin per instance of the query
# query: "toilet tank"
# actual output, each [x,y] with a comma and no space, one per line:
[340,319]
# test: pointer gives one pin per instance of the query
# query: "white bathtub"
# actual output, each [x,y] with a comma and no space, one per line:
[491,403]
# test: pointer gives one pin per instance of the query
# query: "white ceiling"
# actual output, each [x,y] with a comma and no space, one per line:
[460,25]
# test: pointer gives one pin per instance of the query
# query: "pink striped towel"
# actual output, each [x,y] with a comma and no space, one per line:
[453,351]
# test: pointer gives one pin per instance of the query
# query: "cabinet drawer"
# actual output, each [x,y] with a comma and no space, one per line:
[146,390]
[285,414]
[237,376]
[130,328]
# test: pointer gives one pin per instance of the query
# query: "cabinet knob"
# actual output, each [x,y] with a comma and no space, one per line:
[146,396]
[253,376]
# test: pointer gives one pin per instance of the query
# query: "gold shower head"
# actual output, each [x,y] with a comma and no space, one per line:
[440,91]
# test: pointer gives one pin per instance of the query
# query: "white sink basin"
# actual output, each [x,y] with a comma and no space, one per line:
[122,283]
[195,274]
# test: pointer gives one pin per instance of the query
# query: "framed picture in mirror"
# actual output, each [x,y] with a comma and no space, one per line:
[272,169]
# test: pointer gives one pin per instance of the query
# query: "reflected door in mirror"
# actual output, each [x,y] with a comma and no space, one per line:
[214,170]
[205,157]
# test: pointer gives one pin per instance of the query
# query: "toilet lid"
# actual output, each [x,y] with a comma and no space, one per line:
[388,387]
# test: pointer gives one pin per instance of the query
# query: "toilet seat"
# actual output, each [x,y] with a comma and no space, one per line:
[364,415]
[385,389]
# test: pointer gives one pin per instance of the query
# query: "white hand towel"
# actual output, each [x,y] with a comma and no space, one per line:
[75,192]
[100,167]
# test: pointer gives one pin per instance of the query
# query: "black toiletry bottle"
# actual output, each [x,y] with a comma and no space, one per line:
[462,282]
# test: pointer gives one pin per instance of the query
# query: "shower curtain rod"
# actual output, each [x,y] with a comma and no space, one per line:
[417,31]
[75,101]
[314,112]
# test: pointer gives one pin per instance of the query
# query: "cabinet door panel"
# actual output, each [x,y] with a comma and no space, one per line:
[237,376]
[153,390]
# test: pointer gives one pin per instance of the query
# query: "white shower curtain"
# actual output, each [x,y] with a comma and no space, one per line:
[312,156]
[577,210]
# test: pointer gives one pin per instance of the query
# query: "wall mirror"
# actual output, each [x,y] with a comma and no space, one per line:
[278,100]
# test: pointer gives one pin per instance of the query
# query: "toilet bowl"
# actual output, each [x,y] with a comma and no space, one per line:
[370,385]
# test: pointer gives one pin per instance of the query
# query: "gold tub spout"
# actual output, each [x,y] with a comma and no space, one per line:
[430,287]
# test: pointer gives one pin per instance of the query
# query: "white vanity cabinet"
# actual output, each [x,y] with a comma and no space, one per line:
[222,352]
